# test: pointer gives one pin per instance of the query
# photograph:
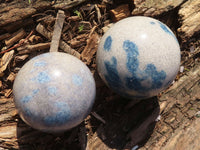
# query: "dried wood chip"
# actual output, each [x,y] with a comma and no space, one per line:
[20,58]
[84,26]
[29,48]
[4,36]
[90,49]
[43,31]
[6,59]
[35,39]
[98,13]
[15,37]
[64,46]
[78,41]
[47,19]
[11,77]
[120,12]
[8,92]
[108,1]
[1,85]
[74,18]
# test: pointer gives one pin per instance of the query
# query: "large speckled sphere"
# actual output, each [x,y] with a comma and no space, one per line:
[138,57]
[54,92]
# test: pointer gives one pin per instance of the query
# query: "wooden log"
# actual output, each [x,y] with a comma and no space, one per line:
[178,127]
[17,25]
[67,4]
[182,105]
[189,18]
[154,7]
[16,11]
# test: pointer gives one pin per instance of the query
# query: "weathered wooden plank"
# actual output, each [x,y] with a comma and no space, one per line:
[189,18]
[154,7]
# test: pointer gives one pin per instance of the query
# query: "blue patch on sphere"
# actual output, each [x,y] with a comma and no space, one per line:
[59,118]
[43,77]
[152,23]
[26,99]
[132,54]
[165,28]
[108,43]
[157,77]
[138,76]
[28,113]
[52,91]
[40,64]
[112,77]
[35,92]
[77,80]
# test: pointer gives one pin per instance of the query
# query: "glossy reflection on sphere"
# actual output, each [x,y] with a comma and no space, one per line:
[138,57]
[54,92]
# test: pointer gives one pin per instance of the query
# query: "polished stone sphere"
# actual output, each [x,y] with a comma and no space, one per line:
[54,92]
[138,57]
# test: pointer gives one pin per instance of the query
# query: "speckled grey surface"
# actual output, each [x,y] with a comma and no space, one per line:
[138,57]
[54,92]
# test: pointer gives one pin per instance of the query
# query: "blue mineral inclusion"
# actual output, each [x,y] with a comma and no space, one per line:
[60,117]
[28,113]
[165,29]
[133,82]
[40,64]
[113,77]
[43,77]
[157,77]
[108,43]
[131,50]
[52,91]
[77,80]
[152,22]
[27,98]
[35,92]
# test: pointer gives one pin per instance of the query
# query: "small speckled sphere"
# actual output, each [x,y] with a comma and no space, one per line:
[54,92]
[138,57]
